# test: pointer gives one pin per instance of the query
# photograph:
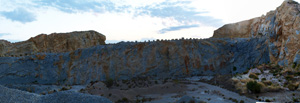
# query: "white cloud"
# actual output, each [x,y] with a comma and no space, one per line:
[124,25]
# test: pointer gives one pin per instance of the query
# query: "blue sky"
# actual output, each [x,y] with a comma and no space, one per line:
[126,20]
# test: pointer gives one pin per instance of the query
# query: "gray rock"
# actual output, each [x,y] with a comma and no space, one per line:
[297,57]
[255,70]
[281,26]
[14,96]
[166,59]
[72,97]
[187,99]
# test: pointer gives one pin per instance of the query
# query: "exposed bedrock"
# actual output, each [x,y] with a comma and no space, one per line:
[159,59]
[281,27]
[53,43]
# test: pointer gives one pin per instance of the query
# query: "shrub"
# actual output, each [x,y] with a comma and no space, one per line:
[242,101]
[292,87]
[53,91]
[246,72]
[295,100]
[254,87]
[267,100]
[65,88]
[263,79]
[274,88]
[294,64]
[192,101]
[267,82]
[176,81]
[125,99]
[234,68]
[297,74]
[235,100]
[81,90]
[254,76]
[109,82]
[289,77]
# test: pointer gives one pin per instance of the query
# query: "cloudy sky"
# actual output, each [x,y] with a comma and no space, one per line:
[126,20]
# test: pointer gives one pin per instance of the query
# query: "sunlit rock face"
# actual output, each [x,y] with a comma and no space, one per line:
[281,27]
[233,48]
[53,43]
[159,59]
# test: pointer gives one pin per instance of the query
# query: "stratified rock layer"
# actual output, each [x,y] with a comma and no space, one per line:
[53,43]
[281,27]
[161,59]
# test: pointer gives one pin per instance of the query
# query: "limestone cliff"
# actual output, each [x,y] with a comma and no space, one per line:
[281,27]
[160,59]
[233,48]
[53,43]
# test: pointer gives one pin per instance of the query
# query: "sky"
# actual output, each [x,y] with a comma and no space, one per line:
[126,20]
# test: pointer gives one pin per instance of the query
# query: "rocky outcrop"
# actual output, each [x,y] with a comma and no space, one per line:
[236,30]
[281,27]
[53,43]
[161,59]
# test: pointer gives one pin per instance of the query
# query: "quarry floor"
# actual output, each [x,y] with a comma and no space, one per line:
[164,91]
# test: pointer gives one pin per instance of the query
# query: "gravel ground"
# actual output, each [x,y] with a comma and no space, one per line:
[202,92]
[16,96]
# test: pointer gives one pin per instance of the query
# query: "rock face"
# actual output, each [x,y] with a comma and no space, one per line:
[53,43]
[161,59]
[236,30]
[281,27]
[233,48]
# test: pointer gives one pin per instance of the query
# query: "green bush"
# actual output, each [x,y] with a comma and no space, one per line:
[295,100]
[254,87]
[292,87]
[297,74]
[267,82]
[289,77]
[294,64]
[234,68]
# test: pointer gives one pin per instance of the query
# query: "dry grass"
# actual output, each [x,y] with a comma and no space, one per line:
[241,87]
